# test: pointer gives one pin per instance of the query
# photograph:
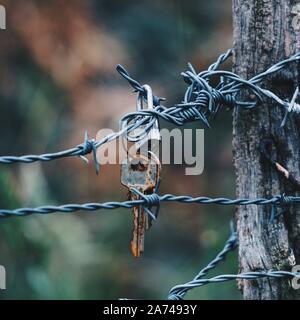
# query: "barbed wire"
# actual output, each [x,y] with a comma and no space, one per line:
[175,292]
[201,102]
[179,291]
[149,201]
[252,275]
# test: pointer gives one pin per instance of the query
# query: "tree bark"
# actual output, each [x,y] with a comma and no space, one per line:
[265,32]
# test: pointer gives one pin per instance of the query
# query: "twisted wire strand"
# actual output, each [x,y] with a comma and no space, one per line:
[137,87]
[81,150]
[252,275]
[179,291]
[76,151]
[148,201]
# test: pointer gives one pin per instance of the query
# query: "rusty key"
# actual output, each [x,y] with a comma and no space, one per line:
[141,171]
[142,174]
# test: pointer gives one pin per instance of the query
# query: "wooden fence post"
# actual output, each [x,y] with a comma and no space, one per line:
[265,32]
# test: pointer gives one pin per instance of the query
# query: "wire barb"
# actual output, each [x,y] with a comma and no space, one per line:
[89,146]
[291,107]
[150,200]
[137,87]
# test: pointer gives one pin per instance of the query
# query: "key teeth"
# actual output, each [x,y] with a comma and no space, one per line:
[141,182]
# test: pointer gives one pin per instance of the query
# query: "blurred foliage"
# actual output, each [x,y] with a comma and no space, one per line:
[57,63]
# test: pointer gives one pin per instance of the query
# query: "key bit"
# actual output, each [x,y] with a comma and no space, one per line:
[142,174]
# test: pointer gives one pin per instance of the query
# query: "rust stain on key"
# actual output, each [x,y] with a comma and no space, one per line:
[142,174]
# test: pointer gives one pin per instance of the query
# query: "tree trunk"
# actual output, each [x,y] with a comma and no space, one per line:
[265,32]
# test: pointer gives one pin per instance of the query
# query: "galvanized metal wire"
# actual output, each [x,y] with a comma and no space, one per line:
[252,275]
[149,200]
[201,102]
[178,292]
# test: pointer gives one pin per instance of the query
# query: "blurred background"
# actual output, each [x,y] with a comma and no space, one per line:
[58,79]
